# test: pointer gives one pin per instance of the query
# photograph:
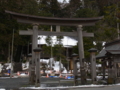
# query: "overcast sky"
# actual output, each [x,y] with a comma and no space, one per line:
[62,0]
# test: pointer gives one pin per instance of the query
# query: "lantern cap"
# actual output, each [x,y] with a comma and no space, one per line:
[92,50]
[29,55]
[74,55]
[37,49]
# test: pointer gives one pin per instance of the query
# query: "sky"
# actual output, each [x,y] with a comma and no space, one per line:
[62,0]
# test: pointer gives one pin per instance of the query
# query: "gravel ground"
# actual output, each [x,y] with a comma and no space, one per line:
[14,83]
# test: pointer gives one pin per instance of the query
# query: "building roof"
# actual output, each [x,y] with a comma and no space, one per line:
[66,41]
[111,47]
[101,54]
[31,19]
[114,52]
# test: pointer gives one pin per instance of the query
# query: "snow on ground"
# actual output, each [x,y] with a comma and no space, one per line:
[100,77]
[2,89]
[98,65]
[49,62]
[56,65]
[65,87]
[1,67]
[8,65]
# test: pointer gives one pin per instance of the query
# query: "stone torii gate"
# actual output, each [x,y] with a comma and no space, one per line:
[37,20]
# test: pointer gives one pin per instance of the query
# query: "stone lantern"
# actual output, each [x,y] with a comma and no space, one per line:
[93,64]
[74,58]
[30,65]
[37,66]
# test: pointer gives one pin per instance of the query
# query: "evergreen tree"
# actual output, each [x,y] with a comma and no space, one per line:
[103,3]
[44,8]
[29,7]
[7,24]
[74,6]
[55,8]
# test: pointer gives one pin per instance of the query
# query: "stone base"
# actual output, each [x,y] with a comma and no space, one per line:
[17,67]
[117,80]
[110,81]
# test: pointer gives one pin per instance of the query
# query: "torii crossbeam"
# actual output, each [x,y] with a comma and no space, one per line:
[48,33]
[31,19]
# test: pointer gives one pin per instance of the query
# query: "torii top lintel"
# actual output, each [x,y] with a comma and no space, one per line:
[31,19]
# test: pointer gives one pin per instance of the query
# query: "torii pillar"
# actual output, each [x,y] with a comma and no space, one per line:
[81,54]
[34,45]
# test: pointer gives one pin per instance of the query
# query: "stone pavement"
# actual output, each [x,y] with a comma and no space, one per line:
[13,83]
[114,87]
[6,82]
[49,84]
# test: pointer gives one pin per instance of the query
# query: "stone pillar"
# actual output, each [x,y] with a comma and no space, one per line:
[30,63]
[103,68]
[34,45]
[74,57]
[57,28]
[71,65]
[93,64]
[37,66]
[115,69]
[81,54]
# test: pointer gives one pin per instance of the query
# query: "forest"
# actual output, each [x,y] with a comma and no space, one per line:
[105,30]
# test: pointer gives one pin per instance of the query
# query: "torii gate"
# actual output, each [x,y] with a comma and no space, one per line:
[37,20]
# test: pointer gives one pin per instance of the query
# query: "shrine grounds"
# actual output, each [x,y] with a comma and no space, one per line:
[6,82]
[21,83]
